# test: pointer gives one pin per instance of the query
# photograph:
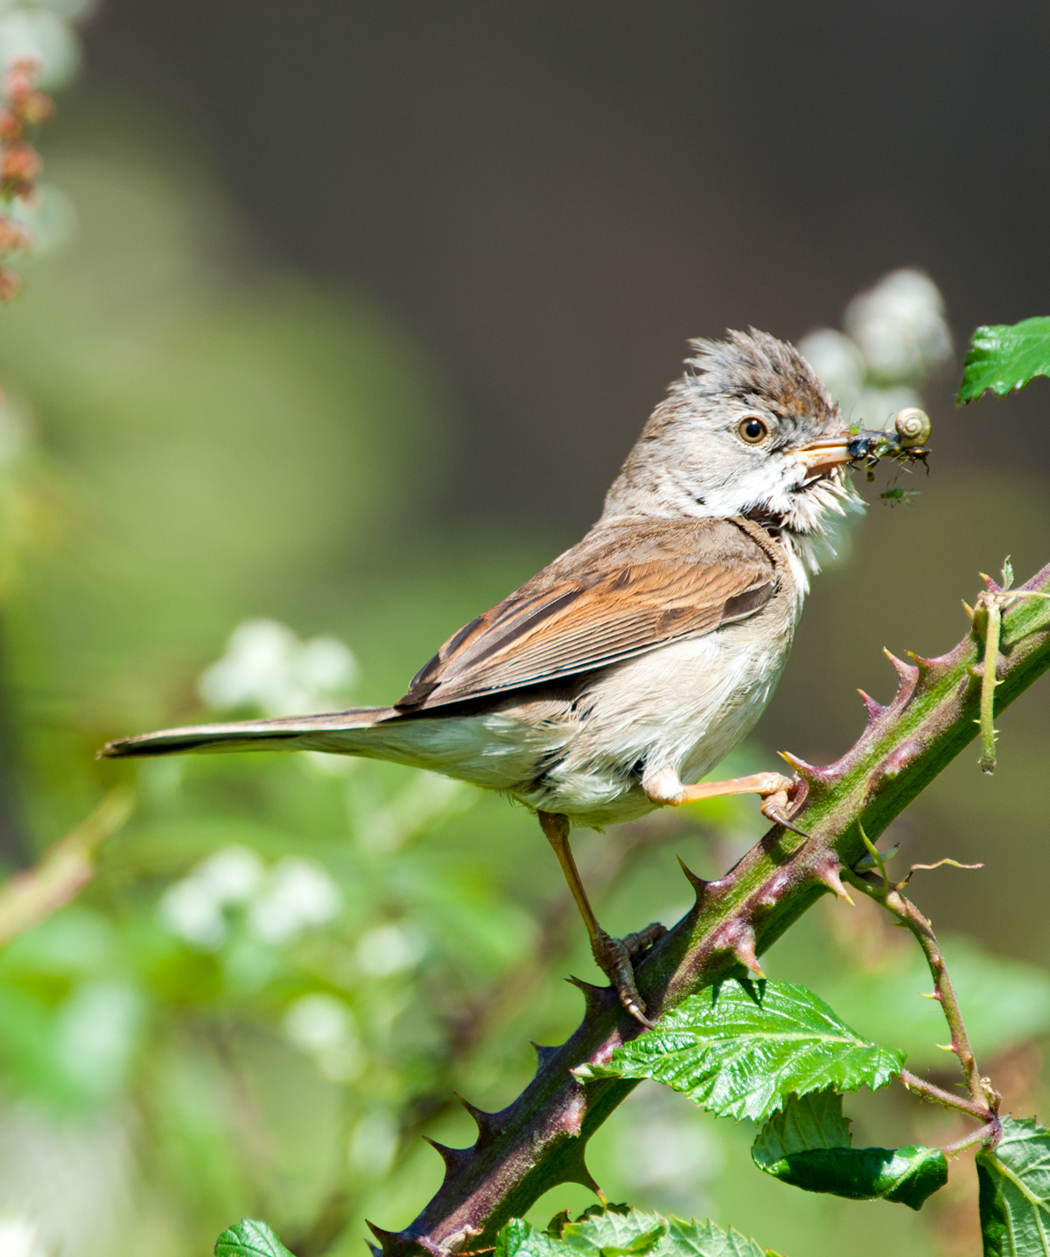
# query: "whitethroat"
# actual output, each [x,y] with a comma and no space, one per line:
[616,678]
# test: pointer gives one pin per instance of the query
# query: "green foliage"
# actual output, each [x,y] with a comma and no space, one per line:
[243,448]
[620,1231]
[804,1123]
[807,1145]
[249,1238]
[1014,1181]
[741,1048]
[1005,357]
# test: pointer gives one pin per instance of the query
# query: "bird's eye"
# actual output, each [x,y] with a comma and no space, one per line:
[753,430]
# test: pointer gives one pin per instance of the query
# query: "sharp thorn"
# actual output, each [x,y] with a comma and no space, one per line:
[908,678]
[813,774]
[402,1242]
[698,884]
[544,1053]
[904,670]
[936,995]
[828,875]
[596,998]
[873,708]
[485,1122]
[579,1173]
[389,1241]
[945,1047]
[924,665]
[967,608]
[744,950]
[454,1158]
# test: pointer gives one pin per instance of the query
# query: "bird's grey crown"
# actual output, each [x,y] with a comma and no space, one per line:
[754,368]
[689,460]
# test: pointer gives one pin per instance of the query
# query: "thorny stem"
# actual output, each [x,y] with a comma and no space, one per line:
[937,1095]
[476,1018]
[882,890]
[473,1019]
[987,615]
[539,1140]
[991,660]
[989,1133]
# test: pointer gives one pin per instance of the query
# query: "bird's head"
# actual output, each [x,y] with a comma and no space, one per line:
[748,430]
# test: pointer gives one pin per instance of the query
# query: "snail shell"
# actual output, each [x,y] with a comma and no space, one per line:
[913,426]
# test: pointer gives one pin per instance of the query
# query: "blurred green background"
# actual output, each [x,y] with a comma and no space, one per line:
[286,966]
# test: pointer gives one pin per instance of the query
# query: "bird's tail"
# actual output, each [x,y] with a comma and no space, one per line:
[341,731]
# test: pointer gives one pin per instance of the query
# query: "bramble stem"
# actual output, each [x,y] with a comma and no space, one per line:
[937,1095]
[989,1133]
[993,624]
[890,897]
[539,1140]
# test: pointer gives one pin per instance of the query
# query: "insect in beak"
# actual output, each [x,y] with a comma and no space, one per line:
[911,429]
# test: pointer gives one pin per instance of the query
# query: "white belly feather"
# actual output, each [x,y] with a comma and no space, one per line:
[683,707]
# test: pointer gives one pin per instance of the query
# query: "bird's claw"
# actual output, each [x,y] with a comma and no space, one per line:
[613,957]
[774,805]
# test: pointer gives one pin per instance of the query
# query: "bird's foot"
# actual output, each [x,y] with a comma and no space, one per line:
[775,789]
[775,804]
[613,957]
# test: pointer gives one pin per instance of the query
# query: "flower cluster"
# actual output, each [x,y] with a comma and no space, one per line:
[25,107]
[896,335]
[278,903]
[267,666]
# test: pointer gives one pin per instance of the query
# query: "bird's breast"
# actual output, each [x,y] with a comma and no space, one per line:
[685,706]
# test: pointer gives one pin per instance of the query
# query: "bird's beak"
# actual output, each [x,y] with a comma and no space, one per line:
[823,455]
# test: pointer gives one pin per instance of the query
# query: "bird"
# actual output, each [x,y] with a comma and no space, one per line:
[615,679]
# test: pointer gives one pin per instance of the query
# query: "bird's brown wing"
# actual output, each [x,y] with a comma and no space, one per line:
[624,590]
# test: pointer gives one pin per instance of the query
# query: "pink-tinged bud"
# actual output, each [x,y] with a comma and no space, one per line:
[19,163]
[10,126]
[13,235]
[10,284]
[36,108]
[21,79]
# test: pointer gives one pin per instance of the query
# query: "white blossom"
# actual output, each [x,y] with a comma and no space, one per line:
[190,910]
[267,665]
[323,1027]
[300,894]
[19,1237]
[389,949]
[899,326]
[232,875]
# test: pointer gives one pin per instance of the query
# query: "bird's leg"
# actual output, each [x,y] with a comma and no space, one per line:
[612,955]
[663,787]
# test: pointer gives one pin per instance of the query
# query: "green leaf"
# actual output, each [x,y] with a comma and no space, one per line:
[1014,1182]
[1005,357]
[807,1145]
[907,1176]
[249,1238]
[804,1123]
[619,1231]
[741,1048]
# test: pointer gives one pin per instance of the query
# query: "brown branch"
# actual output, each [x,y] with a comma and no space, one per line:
[476,1019]
[31,896]
[889,896]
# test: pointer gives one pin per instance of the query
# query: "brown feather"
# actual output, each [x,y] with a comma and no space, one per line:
[629,587]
